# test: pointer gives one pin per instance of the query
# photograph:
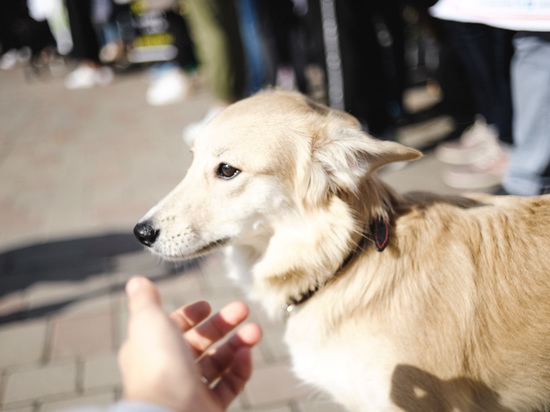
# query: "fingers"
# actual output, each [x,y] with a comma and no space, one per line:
[232,384]
[215,363]
[141,293]
[215,328]
[191,315]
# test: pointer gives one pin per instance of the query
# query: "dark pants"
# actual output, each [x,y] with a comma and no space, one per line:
[85,44]
[373,68]
[485,52]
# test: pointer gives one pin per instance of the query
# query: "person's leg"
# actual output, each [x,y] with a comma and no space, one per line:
[85,44]
[215,31]
[530,157]
[481,50]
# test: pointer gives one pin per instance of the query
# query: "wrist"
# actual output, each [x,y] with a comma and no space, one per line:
[128,405]
[166,398]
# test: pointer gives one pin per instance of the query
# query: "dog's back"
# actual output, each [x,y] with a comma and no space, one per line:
[456,309]
[490,266]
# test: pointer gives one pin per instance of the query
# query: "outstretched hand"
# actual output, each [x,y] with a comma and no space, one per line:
[166,358]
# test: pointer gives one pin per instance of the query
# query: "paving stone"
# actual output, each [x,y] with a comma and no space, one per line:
[22,342]
[31,384]
[20,409]
[139,263]
[46,293]
[75,402]
[422,174]
[86,307]
[120,319]
[101,370]
[82,336]
[186,283]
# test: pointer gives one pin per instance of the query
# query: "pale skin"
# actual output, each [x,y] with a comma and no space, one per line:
[167,360]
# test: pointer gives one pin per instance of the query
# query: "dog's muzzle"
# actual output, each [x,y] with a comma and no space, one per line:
[146,233]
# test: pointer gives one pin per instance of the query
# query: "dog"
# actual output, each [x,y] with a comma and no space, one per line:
[394,302]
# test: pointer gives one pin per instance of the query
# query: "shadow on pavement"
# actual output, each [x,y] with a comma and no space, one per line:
[77,259]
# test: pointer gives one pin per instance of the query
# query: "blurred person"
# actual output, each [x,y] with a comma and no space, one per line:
[163,36]
[12,13]
[528,170]
[215,31]
[23,39]
[54,13]
[167,361]
[90,71]
[372,58]
[479,157]
[105,26]
[292,35]
[252,44]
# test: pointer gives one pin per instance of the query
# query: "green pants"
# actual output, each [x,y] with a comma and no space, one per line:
[214,27]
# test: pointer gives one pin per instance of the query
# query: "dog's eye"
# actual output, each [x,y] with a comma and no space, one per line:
[226,171]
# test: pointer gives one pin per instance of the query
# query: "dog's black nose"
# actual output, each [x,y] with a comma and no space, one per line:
[146,233]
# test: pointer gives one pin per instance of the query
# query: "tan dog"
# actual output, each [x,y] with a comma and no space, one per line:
[396,302]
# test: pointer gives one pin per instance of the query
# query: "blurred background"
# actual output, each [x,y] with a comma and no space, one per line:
[99,103]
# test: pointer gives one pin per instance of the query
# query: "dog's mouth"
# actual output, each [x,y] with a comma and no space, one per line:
[212,246]
[205,250]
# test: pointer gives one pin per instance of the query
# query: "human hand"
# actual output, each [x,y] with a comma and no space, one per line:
[157,361]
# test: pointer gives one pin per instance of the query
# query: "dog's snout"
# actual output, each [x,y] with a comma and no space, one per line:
[146,233]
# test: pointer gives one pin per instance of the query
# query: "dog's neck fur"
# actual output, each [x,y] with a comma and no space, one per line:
[310,249]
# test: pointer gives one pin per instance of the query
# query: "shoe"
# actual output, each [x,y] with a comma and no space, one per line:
[8,60]
[85,77]
[472,142]
[286,78]
[81,78]
[104,76]
[110,52]
[501,191]
[168,87]
[486,171]
[191,132]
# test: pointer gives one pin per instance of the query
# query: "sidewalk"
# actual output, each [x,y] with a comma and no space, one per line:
[77,170]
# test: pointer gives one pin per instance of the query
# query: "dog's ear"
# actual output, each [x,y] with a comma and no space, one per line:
[342,155]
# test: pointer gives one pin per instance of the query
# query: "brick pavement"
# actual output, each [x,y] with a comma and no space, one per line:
[77,170]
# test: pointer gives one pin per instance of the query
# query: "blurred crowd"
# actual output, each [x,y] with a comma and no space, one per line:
[355,55]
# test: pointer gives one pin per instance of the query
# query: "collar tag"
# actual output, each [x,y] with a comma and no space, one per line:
[380,229]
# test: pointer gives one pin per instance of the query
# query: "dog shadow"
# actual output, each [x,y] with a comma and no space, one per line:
[415,390]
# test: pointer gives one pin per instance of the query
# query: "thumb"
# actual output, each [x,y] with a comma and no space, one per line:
[142,293]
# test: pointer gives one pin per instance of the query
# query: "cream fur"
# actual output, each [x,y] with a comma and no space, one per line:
[453,316]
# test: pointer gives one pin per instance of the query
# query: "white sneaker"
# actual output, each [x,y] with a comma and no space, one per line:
[472,142]
[191,132]
[80,78]
[85,77]
[169,87]
[8,60]
[485,171]
[104,76]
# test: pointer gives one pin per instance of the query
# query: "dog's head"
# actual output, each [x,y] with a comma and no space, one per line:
[262,162]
